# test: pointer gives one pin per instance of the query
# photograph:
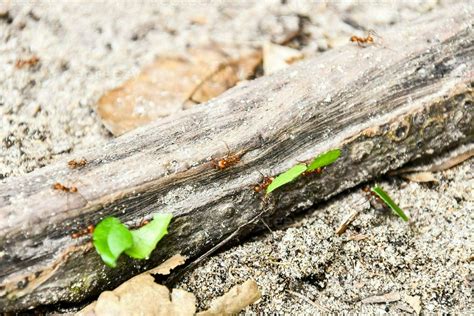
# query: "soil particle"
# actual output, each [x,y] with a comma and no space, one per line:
[378,255]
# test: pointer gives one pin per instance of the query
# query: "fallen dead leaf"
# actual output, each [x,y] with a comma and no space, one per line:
[442,162]
[238,297]
[424,176]
[227,75]
[414,302]
[277,57]
[386,298]
[464,154]
[357,237]
[142,295]
[166,267]
[173,83]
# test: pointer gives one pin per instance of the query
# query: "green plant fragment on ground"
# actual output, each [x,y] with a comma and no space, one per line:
[146,237]
[286,177]
[324,159]
[386,198]
[110,239]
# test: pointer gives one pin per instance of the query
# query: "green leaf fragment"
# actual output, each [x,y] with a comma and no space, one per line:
[286,177]
[110,239]
[324,159]
[146,237]
[384,196]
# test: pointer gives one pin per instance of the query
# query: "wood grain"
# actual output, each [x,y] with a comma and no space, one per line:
[385,105]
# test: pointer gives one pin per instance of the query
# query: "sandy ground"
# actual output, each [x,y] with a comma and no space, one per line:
[86,48]
[427,260]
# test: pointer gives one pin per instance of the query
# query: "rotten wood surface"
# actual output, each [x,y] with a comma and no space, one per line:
[384,105]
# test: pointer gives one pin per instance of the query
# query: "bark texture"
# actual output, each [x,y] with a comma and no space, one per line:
[405,98]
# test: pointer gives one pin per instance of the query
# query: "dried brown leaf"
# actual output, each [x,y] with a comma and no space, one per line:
[423,176]
[455,159]
[386,298]
[440,162]
[168,265]
[141,295]
[238,297]
[167,85]
[226,76]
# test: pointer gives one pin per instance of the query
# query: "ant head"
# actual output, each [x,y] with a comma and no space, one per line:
[221,164]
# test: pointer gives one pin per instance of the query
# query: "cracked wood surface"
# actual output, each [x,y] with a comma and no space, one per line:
[384,106]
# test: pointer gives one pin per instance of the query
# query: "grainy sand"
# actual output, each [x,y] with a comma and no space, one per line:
[84,49]
[378,254]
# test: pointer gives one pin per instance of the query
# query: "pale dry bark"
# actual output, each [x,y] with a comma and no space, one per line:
[384,105]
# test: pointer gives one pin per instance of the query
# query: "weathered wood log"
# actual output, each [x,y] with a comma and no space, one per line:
[383,105]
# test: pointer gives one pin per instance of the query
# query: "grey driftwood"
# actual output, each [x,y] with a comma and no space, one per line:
[407,97]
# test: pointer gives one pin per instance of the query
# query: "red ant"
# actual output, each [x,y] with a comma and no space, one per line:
[60,187]
[226,161]
[30,62]
[86,231]
[74,164]
[371,194]
[361,41]
[143,222]
[318,170]
[264,185]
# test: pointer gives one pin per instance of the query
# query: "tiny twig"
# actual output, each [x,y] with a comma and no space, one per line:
[193,264]
[348,220]
[266,225]
[307,300]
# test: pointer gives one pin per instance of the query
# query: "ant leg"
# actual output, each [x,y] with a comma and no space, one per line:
[371,32]
[227,147]
[261,140]
[263,176]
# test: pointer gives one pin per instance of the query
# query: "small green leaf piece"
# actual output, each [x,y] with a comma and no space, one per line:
[286,177]
[324,159]
[146,237]
[384,196]
[110,239]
